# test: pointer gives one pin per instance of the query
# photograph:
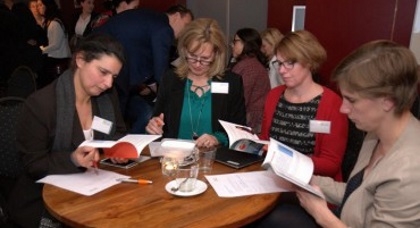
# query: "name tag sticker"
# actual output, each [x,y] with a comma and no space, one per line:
[220,87]
[320,126]
[101,125]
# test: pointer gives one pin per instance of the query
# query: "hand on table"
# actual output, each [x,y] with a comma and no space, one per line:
[206,141]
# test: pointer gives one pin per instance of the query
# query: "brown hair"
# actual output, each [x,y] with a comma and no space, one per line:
[303,47]
[380,68]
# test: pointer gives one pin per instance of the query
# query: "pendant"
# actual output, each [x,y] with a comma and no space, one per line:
[194,136]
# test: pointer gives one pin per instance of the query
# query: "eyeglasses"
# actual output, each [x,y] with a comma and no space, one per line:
[199,60]
[288,64]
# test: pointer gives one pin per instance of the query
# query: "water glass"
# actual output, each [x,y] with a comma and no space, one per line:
[186,178]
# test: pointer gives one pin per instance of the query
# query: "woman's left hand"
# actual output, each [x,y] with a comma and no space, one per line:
[206,141]
[318,208]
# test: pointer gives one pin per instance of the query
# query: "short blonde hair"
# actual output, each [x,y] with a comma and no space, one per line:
[303,47]
[272,36]
[380,68]
[194,35]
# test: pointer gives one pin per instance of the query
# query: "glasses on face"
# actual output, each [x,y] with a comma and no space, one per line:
[288,64]
[203,62]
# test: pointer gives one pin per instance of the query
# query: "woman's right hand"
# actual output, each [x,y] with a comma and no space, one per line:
[155,125]
[85,156]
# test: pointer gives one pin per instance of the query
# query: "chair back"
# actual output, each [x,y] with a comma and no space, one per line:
[10,162]
[415,109]
[22,82]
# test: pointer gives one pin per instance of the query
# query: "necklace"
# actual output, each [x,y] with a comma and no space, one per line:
[201,88]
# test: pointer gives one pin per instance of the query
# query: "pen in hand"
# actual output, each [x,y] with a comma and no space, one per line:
[136,181]
[95,167]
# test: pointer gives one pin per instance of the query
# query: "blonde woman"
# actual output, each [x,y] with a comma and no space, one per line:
[270,38]
[199,92]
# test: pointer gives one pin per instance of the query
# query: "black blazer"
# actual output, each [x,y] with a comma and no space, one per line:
[229,107]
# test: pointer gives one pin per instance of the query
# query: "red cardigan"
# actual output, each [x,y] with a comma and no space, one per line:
[329,148]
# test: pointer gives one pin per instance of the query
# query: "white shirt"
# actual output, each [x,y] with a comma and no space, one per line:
[58,45]
[81,24]
[273,74]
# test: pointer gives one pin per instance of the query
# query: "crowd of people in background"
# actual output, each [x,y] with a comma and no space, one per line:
[117,65]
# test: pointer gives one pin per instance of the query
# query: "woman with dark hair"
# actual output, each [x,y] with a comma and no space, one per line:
[58,118]
[249,62]
[82,22]
[57,50]
[114,7]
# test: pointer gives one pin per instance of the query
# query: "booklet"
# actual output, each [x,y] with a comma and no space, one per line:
[129,146]
[241,138]
[290,165]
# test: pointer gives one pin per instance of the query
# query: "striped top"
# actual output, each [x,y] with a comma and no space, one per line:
[290,124]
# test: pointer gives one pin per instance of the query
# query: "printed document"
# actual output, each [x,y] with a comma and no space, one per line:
[87,183]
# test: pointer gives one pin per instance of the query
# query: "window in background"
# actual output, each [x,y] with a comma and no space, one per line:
[298,20]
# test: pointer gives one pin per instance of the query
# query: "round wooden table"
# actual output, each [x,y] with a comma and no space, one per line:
[132,205]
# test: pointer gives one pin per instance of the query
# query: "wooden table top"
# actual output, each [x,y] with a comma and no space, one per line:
[132,205]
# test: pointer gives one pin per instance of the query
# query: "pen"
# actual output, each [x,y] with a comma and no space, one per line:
[138,181]
[95,167]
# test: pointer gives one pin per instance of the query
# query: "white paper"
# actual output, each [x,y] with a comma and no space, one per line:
[247,183]
[154,149]
[87,183]
[291,165]
[139,141]
[158,149]
[236,132]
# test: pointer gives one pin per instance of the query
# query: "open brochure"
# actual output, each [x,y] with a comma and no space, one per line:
[241,138]
[290,165]
[129,146]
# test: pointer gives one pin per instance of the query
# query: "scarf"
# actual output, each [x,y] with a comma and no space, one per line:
[66,109]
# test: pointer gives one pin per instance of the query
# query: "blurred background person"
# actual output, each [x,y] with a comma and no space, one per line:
[249,62]
[114,7]
[147,37]
[270,38]
[193,97]
[301,113]
[57,50]
[58,118]
[82,22]
[34,10]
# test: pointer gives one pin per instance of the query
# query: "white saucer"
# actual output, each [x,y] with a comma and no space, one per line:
[200,187]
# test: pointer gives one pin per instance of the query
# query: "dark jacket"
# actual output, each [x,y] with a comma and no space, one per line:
[35,138]
[229,107]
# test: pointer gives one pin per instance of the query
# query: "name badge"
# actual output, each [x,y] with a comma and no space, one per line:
[320,126]
[101,125]
[220,87]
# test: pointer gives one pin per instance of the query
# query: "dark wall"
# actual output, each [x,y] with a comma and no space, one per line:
[341,26]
